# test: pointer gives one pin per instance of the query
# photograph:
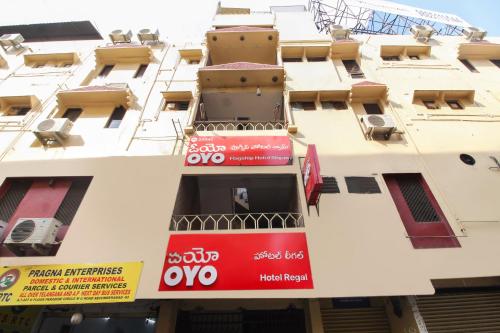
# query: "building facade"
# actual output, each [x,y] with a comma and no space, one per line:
[319,183]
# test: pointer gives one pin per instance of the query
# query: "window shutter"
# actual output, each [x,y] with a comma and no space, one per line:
[363,185]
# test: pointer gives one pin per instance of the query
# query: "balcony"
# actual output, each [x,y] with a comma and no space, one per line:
[240,96]
[237,202]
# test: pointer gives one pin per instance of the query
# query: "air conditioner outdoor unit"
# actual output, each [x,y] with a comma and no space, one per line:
[56,129]
[339,32]
[33,233]
[3,226]
[422,32]
[120,36]
[11,40]
[473,33]
[378,124]
[149,35]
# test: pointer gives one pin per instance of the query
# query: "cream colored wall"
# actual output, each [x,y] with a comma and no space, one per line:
[357,243]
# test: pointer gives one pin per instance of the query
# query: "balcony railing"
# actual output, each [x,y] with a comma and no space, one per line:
[234,125]
[236,221]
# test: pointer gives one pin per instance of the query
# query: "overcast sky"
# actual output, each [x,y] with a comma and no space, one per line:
[191,18]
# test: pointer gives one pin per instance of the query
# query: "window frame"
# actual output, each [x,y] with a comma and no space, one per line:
[467,64]
[72,110]
[310,103]
[428,102]
[106,70]
[116,116]
[141,70]
[374,104]
[454,104]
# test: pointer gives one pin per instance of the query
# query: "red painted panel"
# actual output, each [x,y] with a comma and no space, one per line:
[423,235]
[236,262]
[311,175]
[41,200]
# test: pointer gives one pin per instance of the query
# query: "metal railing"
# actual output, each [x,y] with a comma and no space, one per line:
[236,221]
[234,125]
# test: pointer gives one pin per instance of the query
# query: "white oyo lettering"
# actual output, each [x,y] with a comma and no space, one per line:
[206,275]
[204,158]
[194,159]
[190,274]
[173,276]
[212,275]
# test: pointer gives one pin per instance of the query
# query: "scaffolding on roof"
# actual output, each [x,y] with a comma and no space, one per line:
[381,17]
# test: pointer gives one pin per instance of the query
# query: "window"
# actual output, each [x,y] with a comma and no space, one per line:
[316,59]
[303,106]
[454,104]
[422,217]
[362,185]
[40,198]
[240,200]
[330,185]
[193,61]
[431,104]
[372,108]
[414,57]
[496,62]
[469,66]
[18,110]
[176,106]
[391,58]
[140,71]
[334,105]
[72,114]
[38,65]
[116,117]
[353,69]
[106,70]
[289,59]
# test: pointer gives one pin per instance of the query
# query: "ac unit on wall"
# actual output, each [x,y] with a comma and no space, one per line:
[148,35]
[35,233]
[378,124]
[56,129]
[339,32]
[8,40]
[120,36]
[473,33]
[422,32]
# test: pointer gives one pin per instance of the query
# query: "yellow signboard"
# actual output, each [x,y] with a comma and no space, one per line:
[69,284]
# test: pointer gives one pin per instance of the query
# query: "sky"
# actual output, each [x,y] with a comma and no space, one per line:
[189,19]
[479,13]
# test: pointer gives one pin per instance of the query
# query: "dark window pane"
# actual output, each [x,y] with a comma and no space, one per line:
[72,114]
[303,106]
[72,200]
[496,62]
[176,106]
[19,110]
[116,117]
[316,59]
[353,69]
[292,59]
[330,185]
[140,71]
[414,57]
[337,105]
[416,198]
[469,66]
[431,105]
[391,58]
[362,185]
[16,190]
[106,70]
[455,105]
[372,108]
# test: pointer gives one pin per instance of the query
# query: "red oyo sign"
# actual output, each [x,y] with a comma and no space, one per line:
[311,175]
[236,262]
[238,150]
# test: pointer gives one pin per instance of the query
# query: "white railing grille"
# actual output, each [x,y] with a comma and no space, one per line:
[239,125]
[236,221]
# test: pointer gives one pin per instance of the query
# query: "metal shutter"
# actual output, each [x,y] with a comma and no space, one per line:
[330,185]
[417,200]
[72,200]
[12,198]
[364,185]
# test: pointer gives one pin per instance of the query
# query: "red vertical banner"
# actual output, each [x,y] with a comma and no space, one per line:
[311,176]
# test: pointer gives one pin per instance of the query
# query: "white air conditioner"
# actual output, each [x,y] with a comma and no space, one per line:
[3,226]
[35,233]
[11,40]
[120,36]
[473,33]
[339,32]
[422,32]
[378,124]
[148,35]
[56,129]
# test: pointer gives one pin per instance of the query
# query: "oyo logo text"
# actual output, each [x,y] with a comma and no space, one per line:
[175,274]
[204,158]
